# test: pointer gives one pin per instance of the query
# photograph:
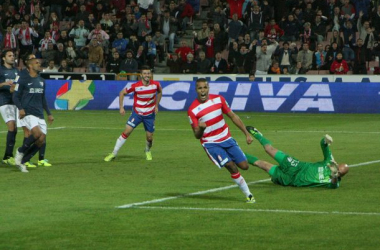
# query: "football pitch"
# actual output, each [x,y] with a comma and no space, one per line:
[180,200]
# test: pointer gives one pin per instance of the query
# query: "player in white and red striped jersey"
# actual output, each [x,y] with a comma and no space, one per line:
[207,121]
[147,96]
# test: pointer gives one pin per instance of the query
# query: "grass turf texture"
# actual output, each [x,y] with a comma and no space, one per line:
[72,204]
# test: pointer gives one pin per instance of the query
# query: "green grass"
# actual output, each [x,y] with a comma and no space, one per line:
[72,205]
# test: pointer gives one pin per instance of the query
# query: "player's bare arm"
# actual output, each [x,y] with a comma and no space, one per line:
[21,113]
[7,83]
[12,89]
[198,130]
[50,119]
[159,95]
[121,101]
[239,123]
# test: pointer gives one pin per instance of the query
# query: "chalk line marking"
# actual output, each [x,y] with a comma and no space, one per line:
[214,190]
[363,163]
[56,128]
[186,195]
[255,210]
[187,130]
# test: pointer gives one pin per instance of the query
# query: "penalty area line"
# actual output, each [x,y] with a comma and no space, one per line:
[256,210]
[186,195]
[130,205]
[363,164]
[56,128]
[234,130]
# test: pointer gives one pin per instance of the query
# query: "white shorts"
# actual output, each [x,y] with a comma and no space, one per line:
[20,122]
[8,112]
[32,121]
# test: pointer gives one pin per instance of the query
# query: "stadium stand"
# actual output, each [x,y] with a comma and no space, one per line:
[259,23]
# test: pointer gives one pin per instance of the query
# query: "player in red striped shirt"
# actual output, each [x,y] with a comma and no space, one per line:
[206,118]
[146,97]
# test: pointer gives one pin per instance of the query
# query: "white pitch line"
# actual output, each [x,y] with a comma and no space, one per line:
[56,128]
[185,195]
[213,190]
[278,131]
[256,210]
[363,163]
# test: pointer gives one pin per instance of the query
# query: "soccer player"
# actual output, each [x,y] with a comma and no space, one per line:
[147,96]
[42,162]
[29,97]
[206,119]
[292,172]
[8,75]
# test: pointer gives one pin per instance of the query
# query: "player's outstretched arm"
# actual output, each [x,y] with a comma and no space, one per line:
[121,101]
[239,123]
[159,95]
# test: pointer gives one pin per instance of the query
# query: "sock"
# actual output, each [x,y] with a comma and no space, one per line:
[41,155]
[30,153]
[27,143]
[119,143]
[148,145]
[263,141]
[251,159]
[239,180]
[11,139]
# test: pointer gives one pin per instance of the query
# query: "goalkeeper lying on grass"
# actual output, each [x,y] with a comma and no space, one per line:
[292,172]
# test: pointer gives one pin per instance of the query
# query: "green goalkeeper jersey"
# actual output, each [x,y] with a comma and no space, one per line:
[292,172]
[314,174]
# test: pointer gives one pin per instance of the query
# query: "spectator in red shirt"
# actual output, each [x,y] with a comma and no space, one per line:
[272,24]
[236,6]
[339,66]
[183,50]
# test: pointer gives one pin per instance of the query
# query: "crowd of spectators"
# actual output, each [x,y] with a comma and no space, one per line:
[238,36]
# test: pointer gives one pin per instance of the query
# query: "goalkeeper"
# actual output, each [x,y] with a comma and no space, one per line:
[292,172]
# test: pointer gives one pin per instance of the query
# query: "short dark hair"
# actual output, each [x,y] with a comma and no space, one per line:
[145,67]
[27,57]
[4,52]
[201,80]
[29,61]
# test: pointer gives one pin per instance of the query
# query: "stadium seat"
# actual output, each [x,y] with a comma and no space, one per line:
[323,72]
[312,72]
[79,70]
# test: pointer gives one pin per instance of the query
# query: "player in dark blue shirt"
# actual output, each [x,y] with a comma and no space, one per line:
[42,162]
[29,97]
[8,76]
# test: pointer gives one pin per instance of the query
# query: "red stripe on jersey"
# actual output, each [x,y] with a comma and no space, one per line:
[215,132]
[146,91]
[211,113]
[146,105]
[215,120]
